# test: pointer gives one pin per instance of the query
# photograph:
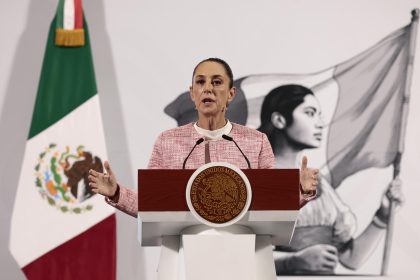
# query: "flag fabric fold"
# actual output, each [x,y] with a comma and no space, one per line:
[365,129]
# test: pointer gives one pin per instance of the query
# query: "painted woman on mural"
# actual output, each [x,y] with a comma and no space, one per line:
[325,229]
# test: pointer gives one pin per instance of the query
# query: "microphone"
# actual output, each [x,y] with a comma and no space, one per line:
[224,136]
[198,142]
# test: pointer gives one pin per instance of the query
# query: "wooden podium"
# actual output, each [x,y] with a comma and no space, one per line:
[165,220]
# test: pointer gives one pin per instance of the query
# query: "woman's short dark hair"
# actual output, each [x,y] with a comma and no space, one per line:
[284,100]
[221,62]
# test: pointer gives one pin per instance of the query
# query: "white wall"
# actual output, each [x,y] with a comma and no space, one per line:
[144,53]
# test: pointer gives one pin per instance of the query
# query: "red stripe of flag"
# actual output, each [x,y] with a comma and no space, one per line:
[89,255]
[78,14]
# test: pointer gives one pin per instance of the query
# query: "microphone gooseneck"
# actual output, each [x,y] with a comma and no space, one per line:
[198,142]
[224,136]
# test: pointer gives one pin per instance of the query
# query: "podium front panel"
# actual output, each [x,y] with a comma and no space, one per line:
[163,209]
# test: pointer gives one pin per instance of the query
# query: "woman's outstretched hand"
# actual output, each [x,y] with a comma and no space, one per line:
[103,183]
[308,177]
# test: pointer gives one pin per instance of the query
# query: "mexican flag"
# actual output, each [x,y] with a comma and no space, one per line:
[60,229]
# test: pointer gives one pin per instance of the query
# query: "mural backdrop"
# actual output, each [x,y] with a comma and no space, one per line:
[360,107]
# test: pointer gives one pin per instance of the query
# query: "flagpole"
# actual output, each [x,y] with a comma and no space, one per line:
[397,161]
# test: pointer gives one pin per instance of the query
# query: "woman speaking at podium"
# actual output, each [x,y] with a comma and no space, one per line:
[212,138]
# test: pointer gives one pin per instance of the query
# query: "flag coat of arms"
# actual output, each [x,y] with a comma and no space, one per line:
[60,228]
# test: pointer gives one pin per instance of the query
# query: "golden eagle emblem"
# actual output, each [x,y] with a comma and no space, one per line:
[62,177]
[218,194]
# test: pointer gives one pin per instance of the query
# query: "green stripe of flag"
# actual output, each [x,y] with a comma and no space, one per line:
[60,14]
[67,80]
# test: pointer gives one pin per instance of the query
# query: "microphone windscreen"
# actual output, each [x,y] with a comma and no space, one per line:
[224,136]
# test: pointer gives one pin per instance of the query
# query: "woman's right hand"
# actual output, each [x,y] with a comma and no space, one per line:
[316,258]
[103,183]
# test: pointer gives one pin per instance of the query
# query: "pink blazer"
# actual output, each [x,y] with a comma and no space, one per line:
[172,147]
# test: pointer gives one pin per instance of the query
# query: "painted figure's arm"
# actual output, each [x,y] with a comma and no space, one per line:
[356,253]
[320,258]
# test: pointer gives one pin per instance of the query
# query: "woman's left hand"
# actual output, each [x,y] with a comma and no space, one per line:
[393,193]
[308,177]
